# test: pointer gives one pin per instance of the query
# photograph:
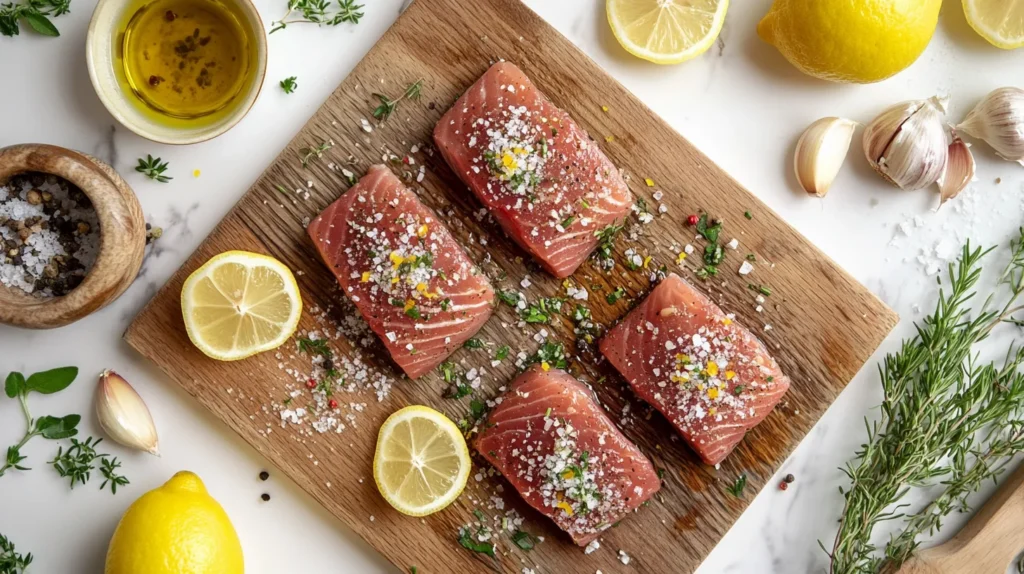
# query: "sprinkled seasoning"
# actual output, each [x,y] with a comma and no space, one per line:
[49,233]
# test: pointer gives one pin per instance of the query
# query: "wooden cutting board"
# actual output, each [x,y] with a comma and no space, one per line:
[821,325]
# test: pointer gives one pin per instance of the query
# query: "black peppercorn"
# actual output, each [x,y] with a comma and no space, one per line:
[264,475]
[265,497]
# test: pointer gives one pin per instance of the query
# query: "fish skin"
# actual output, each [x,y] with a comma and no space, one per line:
[637,347]
[519,421]
[340,236]
[589,186]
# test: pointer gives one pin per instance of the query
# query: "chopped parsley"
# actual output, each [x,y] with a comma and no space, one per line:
[473,343]
[751,257]
[713,254]
[477,408]
[446,304]
[314,347]
[762,289]
[289,84]
[510,298]
[606,244]
[413,312]
[551,353]
[585,328]
[524,540]
[469,542]
[502,353]
[748,215]
[543,310]
[709,231]
[613,297]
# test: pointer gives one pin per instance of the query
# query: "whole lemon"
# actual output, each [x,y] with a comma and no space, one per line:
[859,41]
[177,528]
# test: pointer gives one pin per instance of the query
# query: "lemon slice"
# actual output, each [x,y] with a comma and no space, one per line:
[239,304]
[1001,22]
[422,462]
[666,31]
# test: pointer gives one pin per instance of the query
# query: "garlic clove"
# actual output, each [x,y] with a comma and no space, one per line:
[999,120]
[960,168]
[123,415]
[907,143]
[820,153]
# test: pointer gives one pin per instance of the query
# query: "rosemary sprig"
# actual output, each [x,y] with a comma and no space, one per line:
[388,106]
[34,13]
[318,12]
[153,169]
[317,152]
[10,561]
[937,405]
[737,487]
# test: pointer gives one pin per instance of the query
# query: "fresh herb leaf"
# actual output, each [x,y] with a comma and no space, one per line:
[543,310]
[713,254]
[766,291]
[710,231]
[153,169]
[314,347]
[606,241]
[736,488]
[524,540]
[108,468]
[473,343]
[289,85]
[388,106]
[748,215]
[15,384]
[318,12]
[502,353]
[551,353]
[34,13]
[469,542]
[477,408]
[54,428]
[52,381]
[78,461]
[510,298]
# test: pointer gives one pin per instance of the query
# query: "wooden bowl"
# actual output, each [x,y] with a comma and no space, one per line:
[122,236]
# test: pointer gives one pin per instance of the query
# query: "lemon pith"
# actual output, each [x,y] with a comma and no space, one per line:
[666,31]
[422,463]
[842,41]
[177,528]
[1000,22]
[239,304]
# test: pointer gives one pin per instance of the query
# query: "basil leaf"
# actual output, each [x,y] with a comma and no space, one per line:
[55,428]
[52,381]
[15,384]
[41,24]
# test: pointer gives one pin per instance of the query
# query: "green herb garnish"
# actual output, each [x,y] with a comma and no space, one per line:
[502,353]
[551,353]
[613,297]
[469,542]
[78,461]
[766,291]
[736,488]
[524,540]
[510,298]
[34,13]
[709,232]
[543,310]
[316,12]
[17,386]
[387,106]
[473,343]
[606,241]
[10,561]
[314,346]
[153,169]
[309,153]
[748,215]
[289,85]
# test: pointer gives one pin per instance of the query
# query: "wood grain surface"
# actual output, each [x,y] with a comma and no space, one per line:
[824,325]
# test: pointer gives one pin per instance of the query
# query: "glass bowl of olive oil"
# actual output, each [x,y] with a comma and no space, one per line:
[177,71]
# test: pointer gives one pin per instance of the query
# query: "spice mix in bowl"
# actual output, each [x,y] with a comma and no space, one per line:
[72,235]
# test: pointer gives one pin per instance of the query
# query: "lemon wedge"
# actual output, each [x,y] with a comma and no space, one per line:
[1001,22]
[239,304]
[422,461]
[666,31]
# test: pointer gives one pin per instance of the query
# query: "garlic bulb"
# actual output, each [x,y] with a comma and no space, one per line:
[999,120]
[820,153]
[959,170]
[123,415]
[907,143]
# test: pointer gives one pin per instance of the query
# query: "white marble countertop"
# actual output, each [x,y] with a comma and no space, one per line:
[740,103]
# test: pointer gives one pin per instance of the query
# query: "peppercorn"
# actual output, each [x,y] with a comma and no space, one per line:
[310,384]
[783,485]
[332,403]
[790,478]
[264,475]
[34,197]
[692,220]
[265,497]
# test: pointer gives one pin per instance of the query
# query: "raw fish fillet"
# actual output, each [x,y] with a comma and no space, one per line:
[558,448]
[410,280]
[710,377]
[542,178]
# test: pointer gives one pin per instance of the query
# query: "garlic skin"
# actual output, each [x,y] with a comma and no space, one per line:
[123,415]
[999,120]
[907,143]
[820,153]
[960,168]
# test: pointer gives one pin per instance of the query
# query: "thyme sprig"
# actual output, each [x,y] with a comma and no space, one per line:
[10,561]
[319,12]
[315,152]
[938,404]
[388,106]
[79,460]
[153,168]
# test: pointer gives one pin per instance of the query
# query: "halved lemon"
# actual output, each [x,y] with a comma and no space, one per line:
[1001,22]
[422,461]
[239,304]
[666,31]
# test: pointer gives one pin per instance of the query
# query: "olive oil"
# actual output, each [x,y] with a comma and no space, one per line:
[188,60]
